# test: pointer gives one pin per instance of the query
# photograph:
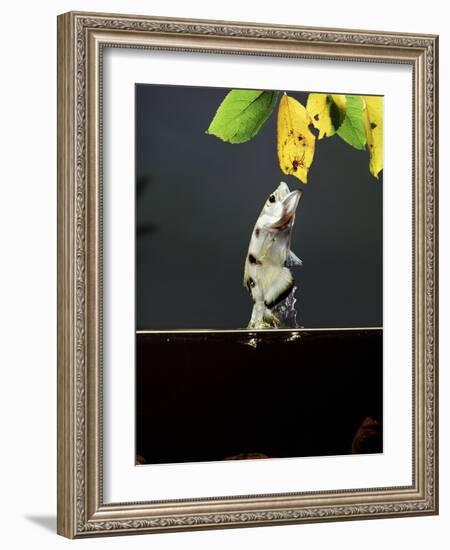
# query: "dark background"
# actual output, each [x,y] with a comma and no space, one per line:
[198,198]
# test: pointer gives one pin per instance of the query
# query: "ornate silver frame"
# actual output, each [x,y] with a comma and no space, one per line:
[81,37]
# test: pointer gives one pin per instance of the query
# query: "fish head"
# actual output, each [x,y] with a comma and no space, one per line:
[279,210]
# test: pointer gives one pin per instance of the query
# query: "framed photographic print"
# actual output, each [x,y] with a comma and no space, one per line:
[247,288]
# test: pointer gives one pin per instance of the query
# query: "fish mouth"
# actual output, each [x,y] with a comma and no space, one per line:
[290,203]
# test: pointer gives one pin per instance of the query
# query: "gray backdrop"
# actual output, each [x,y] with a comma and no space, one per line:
[197,200]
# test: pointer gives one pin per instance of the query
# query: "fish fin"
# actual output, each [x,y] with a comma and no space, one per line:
[277,285]
[293,260]
[246,273]
[270,319]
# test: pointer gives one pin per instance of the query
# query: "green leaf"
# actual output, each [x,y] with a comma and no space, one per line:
[242,114]
[352,130]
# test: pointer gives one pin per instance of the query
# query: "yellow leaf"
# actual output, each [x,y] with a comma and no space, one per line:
[327,112]
[318,107]
[373,120]
[296,142]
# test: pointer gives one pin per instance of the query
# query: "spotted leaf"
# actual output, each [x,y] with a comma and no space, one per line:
[295,141]
[327,112]
[373,120]
[318,107]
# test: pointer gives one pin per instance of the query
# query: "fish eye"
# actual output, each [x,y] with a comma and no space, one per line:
[272,198]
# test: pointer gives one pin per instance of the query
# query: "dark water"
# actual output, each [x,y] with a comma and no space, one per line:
[212,396]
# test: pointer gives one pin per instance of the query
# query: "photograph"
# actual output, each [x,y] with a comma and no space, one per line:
[258,273]
[247,273]
[224,276]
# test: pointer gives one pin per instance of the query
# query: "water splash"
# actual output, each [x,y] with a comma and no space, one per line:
[286,311]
